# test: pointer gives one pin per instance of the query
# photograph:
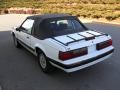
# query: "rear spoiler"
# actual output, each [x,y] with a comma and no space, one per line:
[85,38]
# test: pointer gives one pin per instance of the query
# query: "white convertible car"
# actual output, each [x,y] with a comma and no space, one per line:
[62,41]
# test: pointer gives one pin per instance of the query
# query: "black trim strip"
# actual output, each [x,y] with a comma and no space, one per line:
[100,33]
[82,35]
[82,62]
[71,38]
[75,41]
[91,33]
[87,38]
[59,41]
[66,44]
[26,45]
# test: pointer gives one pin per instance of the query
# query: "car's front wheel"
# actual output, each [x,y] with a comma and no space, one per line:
[44,63]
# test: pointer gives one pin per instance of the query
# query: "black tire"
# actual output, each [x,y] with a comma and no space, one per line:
[16,43]
[44,63]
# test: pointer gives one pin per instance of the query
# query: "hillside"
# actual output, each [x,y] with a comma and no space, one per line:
[109,9]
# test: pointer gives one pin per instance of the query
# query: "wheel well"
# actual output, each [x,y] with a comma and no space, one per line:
[38,50]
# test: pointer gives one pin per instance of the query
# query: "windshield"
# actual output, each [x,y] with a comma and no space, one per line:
[62,27]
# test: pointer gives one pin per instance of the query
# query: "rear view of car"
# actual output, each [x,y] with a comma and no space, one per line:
[85,49]
[62,41]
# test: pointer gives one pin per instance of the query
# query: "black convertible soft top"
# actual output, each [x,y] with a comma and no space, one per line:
[42,20]
[49,16]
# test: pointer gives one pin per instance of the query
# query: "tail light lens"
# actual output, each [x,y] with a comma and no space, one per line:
[104,44]
[72,54]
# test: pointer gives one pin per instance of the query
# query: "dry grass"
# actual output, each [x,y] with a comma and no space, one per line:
[109,9]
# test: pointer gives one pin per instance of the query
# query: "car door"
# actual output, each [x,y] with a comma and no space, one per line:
[25,32]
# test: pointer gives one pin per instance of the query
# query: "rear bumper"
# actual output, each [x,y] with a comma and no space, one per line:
[82,64]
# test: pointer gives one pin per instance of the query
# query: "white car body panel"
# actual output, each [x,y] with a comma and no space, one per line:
[95,33]
[83,66]
[76,36]
[50,50]
[86,34]
[64,39]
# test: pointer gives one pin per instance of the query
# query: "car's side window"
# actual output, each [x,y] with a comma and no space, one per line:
[27,26]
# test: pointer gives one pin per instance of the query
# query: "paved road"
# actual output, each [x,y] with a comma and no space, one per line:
[19,69]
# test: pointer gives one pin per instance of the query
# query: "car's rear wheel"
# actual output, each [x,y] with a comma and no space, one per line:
[16,43]
[44,63]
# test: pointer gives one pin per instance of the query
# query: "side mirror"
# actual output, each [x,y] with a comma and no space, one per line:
[17,29]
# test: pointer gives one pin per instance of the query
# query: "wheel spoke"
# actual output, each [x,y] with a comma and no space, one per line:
[42,61]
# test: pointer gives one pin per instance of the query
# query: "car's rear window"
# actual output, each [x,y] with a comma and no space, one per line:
[62,26]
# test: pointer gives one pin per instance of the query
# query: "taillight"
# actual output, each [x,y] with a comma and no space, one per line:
[73,53]
[104,44]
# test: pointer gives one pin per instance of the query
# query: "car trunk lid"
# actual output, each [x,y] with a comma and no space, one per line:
[82,39]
